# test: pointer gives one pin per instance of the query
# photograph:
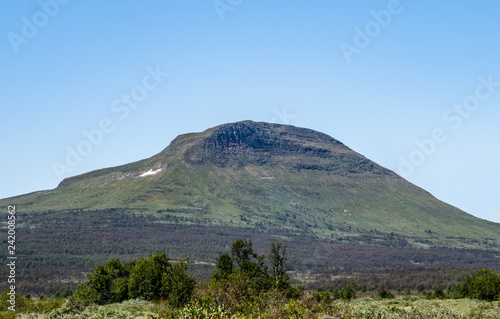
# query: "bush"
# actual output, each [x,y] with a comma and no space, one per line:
[420,288]
[152,278]
[484,285]
[149,276]
[337,294]
[180,284]
[101,285]
[385,294]
[294,292]
[439,293]
[322,297]
[349,292]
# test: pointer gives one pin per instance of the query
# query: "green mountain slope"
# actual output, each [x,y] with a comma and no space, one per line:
[269,176]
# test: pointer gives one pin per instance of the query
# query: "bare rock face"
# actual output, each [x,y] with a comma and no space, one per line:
[251,143]
[243,143]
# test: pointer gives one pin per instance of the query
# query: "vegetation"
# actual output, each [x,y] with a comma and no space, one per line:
[484,285]
[385,294]
[152,278]
[59,247]
[247,285]
[404,307]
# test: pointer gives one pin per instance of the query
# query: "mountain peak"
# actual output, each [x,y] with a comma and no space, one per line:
[263,135]
[260,143]
[241,135]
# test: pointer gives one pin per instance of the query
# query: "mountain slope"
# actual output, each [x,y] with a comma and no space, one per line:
[269,176]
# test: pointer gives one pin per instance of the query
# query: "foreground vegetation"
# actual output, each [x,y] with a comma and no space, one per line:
[305,307]
[247,285]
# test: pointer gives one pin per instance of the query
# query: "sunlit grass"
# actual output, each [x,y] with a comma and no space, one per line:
[407,307]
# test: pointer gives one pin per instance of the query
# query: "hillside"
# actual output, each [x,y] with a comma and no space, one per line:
[257,180]
[248,173]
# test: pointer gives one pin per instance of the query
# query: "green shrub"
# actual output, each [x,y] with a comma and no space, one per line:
[385,294]
[63,311]
[294,292]
[28,304]
[349,291]
[322,297]
[148,277]
[420,288]
[439,293]
[151,278]
[242,278]
[337,294]
[180,284]
[484,285]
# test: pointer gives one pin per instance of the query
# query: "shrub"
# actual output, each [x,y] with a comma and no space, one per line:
[294,292]
[323,296]
[439,293]
[420,288]
[337,294]
[484,285]
[385,294]
[148,276]
[349,292]
[151,278]
[180,284]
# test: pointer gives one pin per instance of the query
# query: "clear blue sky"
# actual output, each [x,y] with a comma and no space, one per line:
[377,75]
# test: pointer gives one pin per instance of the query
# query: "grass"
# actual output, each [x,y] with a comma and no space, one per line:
[407,307]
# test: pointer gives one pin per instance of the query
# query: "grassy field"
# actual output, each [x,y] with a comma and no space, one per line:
[407,307]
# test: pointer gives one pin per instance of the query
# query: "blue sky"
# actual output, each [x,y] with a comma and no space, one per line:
[412,85]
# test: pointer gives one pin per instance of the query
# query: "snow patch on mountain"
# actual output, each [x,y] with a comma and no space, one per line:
[151,172]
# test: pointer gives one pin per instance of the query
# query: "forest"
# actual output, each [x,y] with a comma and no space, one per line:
[57,249]
[246,284]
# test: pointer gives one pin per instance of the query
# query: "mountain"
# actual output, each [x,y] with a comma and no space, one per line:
[256,180]
[277,175]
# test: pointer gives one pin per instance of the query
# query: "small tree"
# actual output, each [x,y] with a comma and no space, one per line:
[100,286]
[349,291]
[246,259]
[119,289]
[224,267]
[337,294]
[243,273]
[147,275]
[179,283]
[250,264]
[277,256]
